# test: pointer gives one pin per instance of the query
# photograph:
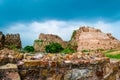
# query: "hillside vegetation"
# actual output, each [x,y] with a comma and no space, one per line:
[113,53]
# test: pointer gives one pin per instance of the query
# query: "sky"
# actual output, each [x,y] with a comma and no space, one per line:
[29,18]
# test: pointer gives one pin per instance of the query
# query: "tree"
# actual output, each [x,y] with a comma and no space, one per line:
[29,49]
[53,48]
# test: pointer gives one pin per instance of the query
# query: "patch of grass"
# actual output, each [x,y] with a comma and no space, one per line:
[68,50]
[113,56]
[109,51]
[116,56]
[84,51]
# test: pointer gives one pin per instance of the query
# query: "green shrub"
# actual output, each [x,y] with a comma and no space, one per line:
[39,41]
[53,48]
[73,34]
[68,50]
[85,51]
[29,49]
[13,47]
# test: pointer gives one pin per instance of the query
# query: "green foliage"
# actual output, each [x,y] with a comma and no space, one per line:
[73,34]
[68,50]
[29,49]
[85,51]
[53,48]
[13,47]
[116,56]
[109,54]
[109,51]
[39,41]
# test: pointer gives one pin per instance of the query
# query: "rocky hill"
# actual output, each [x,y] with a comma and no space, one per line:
[10,40]
[91,39]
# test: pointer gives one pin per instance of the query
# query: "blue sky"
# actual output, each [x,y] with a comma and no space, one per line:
[61,17]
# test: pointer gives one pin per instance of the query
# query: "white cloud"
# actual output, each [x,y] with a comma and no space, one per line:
[30,31]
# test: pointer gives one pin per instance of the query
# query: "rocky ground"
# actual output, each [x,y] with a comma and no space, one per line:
[76,66]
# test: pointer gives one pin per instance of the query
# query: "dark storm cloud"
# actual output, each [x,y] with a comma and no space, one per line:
[31,10]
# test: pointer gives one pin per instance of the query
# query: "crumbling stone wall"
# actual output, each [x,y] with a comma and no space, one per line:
[10,40]
[2,38]
[87,67]
[84,38]
[97,69]
[92,39]
[45,39]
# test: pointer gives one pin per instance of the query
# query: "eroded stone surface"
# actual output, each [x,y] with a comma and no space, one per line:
[45,39]
[10,40]
[85,38]
[67,67]
[9,72]
[91,39]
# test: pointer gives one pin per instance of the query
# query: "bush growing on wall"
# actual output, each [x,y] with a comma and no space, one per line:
[29,49]
[53,48]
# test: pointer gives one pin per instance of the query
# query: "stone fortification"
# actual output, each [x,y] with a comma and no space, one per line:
[85,38]
[45,39]
[10,40]
[91,39]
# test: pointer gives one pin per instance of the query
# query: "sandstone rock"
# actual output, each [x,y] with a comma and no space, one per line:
[8,56]
[89,38]
[78,74]
[84,38]
[98,68]
[9,72]
[10,40]
[13,39]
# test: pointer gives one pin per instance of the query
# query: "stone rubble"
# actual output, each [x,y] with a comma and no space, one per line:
[76,66]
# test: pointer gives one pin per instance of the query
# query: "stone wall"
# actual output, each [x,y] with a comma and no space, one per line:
[102,69]
[91,39]
[10,40]
[56,67]
[45,39]
[2,38]
[97,69]
[84,38]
